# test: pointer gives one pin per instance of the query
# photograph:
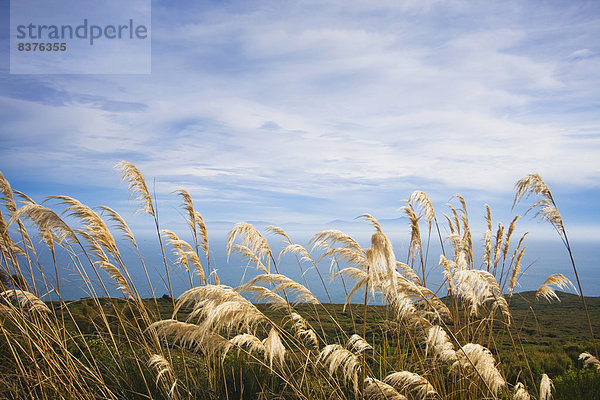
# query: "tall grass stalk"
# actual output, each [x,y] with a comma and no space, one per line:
[548,210]
[288,344]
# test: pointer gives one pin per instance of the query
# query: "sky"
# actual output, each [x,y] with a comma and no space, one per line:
[311,111]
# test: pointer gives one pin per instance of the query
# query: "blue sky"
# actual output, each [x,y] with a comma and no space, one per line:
[310,111]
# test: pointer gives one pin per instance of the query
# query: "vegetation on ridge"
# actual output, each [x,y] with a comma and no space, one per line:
[471,338]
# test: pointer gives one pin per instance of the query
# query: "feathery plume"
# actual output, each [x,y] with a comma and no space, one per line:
[403,305]
[164,372]
[191,336]
[116,274]
[361,277]
[51,227]
[28,301]
[498,245]
[251,343]
[549,212]
[589,359]
[487,255]
[188,206]
[546,387]
[334,236]
[460,250]
[348,255]
[298,250]
[520,392]
[310,336]
[185,253]
[358,345]
[456,218]
[467,237]
[476,358]
[120,224]
[282,282]
[228,316]
[161,364]
[337,358]
[278,231]
[381,259]
[137,185]
[408,272]
[246,252]
[203,233]
[511,229]
[7,195]
[220,308]
[353,273]
[298,321]
[558,280]
[274,349]
[440,345]
[420,199]
[450,225]
[478,288]
[448,266]
[201,294]
[24,198]
[415,235]
[463,203]
[186,334]
[6,242]
[252,240]
[377,390]
[488,217]
[515,271]
[370,219]
[92,223]
[303,330]
[263,294]
[409,382]
[417,293]
[194,220]
[533,184]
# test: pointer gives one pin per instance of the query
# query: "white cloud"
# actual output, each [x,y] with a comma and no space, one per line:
[355,99]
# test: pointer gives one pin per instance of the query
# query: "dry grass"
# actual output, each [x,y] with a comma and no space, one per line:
[558,280]
[428,347]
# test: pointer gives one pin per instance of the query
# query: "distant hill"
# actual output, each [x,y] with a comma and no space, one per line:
[568,301]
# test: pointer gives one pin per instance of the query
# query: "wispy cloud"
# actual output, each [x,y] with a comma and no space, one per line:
[313,109]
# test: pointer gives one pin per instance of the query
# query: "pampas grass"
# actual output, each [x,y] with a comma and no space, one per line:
[338,359]
[480,361]
[377,390]
[409,382]
[283,283]
[546,387]
[273,348]
[185,255]
[440,345]
[26,301]
[547,209]
[589,360]
[558,280]
[358,345]
[434,341]
[137,186]
[164,373]
[520,392]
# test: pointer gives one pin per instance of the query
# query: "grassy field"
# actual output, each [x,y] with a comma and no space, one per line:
[476,339]
[552,334]
[556,332]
